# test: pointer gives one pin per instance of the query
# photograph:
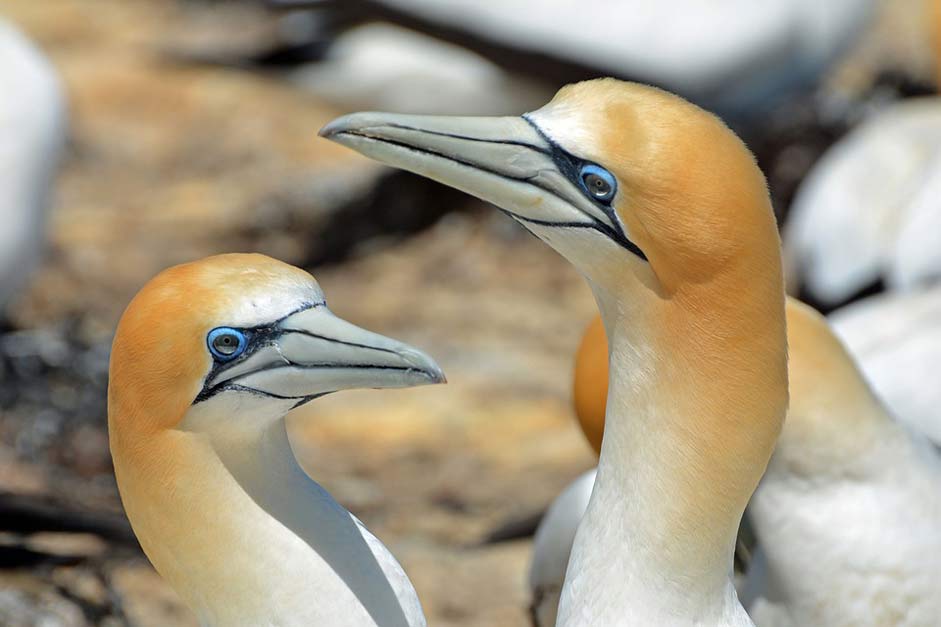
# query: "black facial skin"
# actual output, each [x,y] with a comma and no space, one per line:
[257,338]
[262,336]
[571,167]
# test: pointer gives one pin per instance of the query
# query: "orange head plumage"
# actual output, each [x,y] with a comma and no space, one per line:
[832,408]
[236,325]
[631,175]
[590,385]
[160,357]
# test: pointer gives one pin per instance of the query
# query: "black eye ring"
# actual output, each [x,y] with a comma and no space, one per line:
[226,343]
[598,182]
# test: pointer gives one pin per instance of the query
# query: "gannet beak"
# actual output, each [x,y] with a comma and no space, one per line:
[507,161]
[312,352]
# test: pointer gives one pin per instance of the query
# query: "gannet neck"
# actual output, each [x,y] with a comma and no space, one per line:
[697,395]
[301,558]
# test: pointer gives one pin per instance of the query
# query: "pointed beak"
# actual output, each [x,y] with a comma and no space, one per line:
[313,352]
[507,161]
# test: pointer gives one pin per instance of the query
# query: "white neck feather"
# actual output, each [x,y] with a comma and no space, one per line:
[248,538]
[636,560]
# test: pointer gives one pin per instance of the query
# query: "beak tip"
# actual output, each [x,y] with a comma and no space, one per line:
[431,370]
[328,131]
[331,130]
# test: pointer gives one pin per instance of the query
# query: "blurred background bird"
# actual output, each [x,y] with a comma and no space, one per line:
[191,132]
[33,126]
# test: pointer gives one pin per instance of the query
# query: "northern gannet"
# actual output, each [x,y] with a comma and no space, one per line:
[848,515]
[852,524]
[870,211]
[665,212]
[207,360]
[32,128]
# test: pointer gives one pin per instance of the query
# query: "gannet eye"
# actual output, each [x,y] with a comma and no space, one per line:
[598,182]
[226,343]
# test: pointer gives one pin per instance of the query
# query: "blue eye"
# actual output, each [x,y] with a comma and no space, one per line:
[226,343]
[598,182]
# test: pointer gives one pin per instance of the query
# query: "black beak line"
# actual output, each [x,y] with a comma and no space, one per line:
[567,164]
[266,335]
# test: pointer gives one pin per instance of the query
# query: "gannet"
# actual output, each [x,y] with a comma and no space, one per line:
[665,212]
[848,515]
[207,360]
[891,338]
[870,211]
[32,127]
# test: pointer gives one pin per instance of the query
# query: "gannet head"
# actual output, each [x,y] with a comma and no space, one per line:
[666,213]
[633,185]
[241,337]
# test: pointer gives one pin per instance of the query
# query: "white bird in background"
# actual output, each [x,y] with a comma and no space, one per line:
[896,338]
[32,136]
[870,210]
[665,212]
[552,546]
[848,515]
[738,57]
[380,66]
[207,360]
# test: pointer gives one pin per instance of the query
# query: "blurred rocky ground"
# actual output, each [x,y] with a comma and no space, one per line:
[170,161]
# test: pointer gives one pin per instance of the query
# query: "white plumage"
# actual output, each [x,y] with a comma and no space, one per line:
[32,135]
[896,339]
[552,546]
[871,209]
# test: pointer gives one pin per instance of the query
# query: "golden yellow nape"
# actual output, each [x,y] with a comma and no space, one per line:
[812,349]
[833,414]
[590,385]
[207,360]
